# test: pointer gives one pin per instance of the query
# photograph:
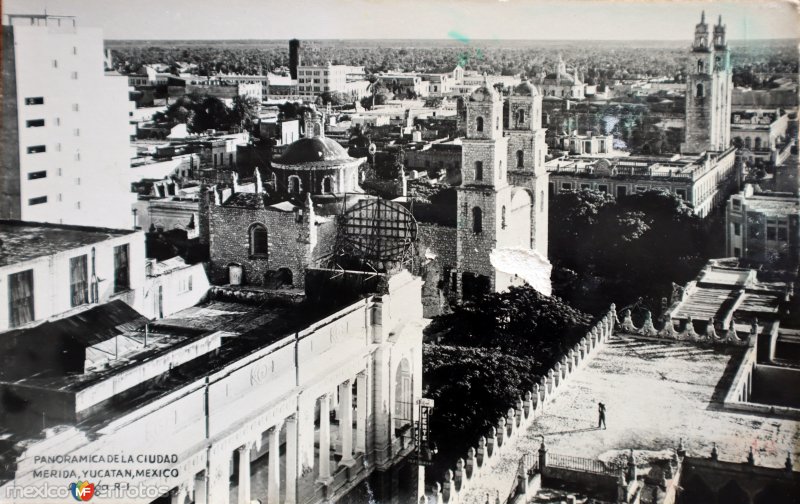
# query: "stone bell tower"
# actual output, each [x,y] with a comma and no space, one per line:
[526,155]
[484,195]
[709,85]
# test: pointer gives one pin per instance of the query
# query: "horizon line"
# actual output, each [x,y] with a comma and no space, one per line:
[435,38]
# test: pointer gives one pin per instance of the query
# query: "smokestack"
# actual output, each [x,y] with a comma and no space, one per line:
[294,57]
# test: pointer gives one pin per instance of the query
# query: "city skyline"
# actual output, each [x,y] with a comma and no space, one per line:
[365,19]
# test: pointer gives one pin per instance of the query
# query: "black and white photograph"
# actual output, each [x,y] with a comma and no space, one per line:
[421,252]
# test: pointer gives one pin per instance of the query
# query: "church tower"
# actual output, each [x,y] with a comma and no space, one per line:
[484,196]
[709,85]
[526,156]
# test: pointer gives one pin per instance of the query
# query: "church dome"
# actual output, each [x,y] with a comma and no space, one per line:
[526,89]
[316,150]
[484,93]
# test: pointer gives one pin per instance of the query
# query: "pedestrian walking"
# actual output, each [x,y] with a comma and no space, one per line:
[601,420]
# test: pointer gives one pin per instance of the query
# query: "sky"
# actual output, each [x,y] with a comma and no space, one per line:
[422,19]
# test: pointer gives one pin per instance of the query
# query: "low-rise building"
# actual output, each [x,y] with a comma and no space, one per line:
[762,134]
[51,270]
[704,180]
[172,286]
[586,144]
[763,227]
[225,90]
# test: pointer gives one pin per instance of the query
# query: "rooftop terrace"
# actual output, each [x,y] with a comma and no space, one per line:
[655,394]
[22,241]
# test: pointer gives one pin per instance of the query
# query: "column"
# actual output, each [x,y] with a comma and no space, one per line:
[291,460]
[274,468]
[324,438]
[244,474]
[361,412]
[346,422]
[200,488]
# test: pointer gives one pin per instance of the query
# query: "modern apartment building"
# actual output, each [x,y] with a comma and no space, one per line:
[66,128]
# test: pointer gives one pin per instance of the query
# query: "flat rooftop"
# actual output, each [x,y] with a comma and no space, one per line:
[774,205]
[655,393]
[22,241]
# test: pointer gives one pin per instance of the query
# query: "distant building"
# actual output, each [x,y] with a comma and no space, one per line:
[561,84]
[66,128]
[226,90]
[703,181]
[763,227]
[279,86]
[261,80]
[585,144]
[404,84]
[762,135]
[172,286]
[50,270]
[315,80]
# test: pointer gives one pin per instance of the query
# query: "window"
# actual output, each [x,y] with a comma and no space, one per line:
[641,189]
[520,157]
[59,197]
[78,281]
[36,149]
[60,172]
[75,107]
[586,186]
[185,284]
[621,191]
[77,181]
[478,170]
[503,217]
[76,132]
[55,63]
[73,75]
[294,184]
[699,90]
[753,231]
[602,188]
[477,220]
[520,116]
[37,100]
[20,298]
[552,187]
[327,185]
[34,123]
[681,193]
[75,50]
[122,279]
[772,233]
[700,66]
[37,175]
[566,186]
[58,121]
[737,204]
[259,241]
[479,124]
[737,229]
[37,201]
[497,123]
[541,201]
[783,234]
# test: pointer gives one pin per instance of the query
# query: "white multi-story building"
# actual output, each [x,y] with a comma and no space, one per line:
[65,126]
[315,80]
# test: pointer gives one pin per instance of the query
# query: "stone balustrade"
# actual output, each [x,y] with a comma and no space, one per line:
[687,332]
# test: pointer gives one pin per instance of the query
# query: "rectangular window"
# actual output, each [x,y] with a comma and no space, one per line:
[783,234]
[34,123]
[77,181]
[37,175]
[36,100]
[737,204]
[75,107]
[737,252]
[78,281]
[641,189]
[75,50]
[55,63]
[566,186]
[772,233]
[737,229]
[586,186]
[77,205]
[121,275]
[185,284]
[76,132]
[36,149]
[74,75]
[37,201]
[681,193]
[622,191]
[20,298]
[552,188]
[602,188]
[58,121]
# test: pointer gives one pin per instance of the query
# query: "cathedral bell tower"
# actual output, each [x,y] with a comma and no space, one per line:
[484,195]
[526,156]
[709,85]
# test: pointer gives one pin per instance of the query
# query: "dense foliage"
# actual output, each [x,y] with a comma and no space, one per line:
[201,113]
[486,354]
[619,250]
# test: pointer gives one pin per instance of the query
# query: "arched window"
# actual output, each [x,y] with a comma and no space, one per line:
[259,241]
[520,158]
[757,143]
[748,142]
[700,65]
[699,90]
[294,184]
[327,185]
[503,217]
[737,142]
[477,220]
[478,170]
[520,116]
[479,124]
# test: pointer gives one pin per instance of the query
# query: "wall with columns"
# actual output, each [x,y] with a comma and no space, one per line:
[286,393]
